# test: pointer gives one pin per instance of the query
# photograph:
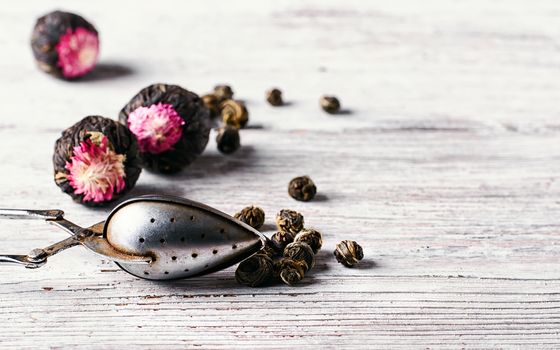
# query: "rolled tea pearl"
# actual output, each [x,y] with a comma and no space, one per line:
[300,251]
[252,216]
[312,237]
[289,221]
[234,113]
[255,271]
[290,271]
[348,253]
[281,239]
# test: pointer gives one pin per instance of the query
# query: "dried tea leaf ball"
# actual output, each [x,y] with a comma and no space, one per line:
[65,45]
[252,216]
[290,271]
[96,161]
[212,102]
[234,113]
[274,97]
[302,188]
[171,125]
[270,250]
[289,221]
[312,237]
[255,270]
[228,140]
[348,253]
[300,251]
[281,239]
[223,92]
[330,104]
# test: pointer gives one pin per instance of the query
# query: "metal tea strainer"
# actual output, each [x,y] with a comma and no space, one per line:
[152,237]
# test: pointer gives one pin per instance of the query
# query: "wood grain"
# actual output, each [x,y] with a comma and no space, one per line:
[444,168]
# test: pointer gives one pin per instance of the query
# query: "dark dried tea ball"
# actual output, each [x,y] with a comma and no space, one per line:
[330,104]
[252,216]
[290,271]
[270,250]
[96,161]
[171,124]
[255,271]
[274,97]
[234,113]
[300,251]
[228,140]
[289,221]
[348,253]
[312,237]
[212,102]
[302,188]
[281,239]
[223,92]
[65,45]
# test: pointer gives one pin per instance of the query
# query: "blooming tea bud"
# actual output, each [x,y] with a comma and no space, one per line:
[227,139]
[171,124]
[281,239]
[348,253]
[274,97]
[252,216]
[312,237]
[289,221]
[302,188]
[330,104]
[65,45]
[96,161]
[290,271]
[223,92]
[234,113]
[255,270]
[300,251]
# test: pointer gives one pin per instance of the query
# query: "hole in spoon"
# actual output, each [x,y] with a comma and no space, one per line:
[215,251]
[142,240]
[192,217]
[234,246]
[152,220]
[222,230]
[166,272]
[186,270]
[162,241]
[194,255]
[173,258]
[182,239]
[146,273]
[203,235]
[172,220]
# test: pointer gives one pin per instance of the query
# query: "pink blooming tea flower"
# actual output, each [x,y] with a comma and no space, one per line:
[77,52]
[96,171]
[157,127]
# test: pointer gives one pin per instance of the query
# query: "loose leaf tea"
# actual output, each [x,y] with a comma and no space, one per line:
[330,104]
[255,271]
[96,161]
[228,140]
[290,271]
[223,92]
[348,253]
[281,239]
[274,97]
[302,188]
[234,113]
[171,124]
[289,221]
[252,216]
[312,237]
[65,45]
[300,251]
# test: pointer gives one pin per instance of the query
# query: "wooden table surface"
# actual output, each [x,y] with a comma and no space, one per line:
[445,168]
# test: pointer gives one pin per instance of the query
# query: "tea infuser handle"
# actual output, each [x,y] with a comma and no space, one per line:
[24,260]
[31,214]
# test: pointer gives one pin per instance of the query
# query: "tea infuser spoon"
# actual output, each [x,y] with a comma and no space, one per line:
[152,237]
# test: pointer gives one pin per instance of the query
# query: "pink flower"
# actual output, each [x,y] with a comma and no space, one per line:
[77,52]
[96,171]
[157,127]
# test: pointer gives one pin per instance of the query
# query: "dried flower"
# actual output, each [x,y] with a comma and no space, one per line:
[348,253]
[212,102]
[227,139]
[234,113]
[312,237]
[96,161]
[255,271]
[290,271]
[171,124]
[65,45]
[252,216]
[289,221]
[330,104]
[274,97]
[223,92]
[281,239]
[302,188]
[300,251]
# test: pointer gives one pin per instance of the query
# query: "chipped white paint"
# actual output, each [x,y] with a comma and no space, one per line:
[446,171]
